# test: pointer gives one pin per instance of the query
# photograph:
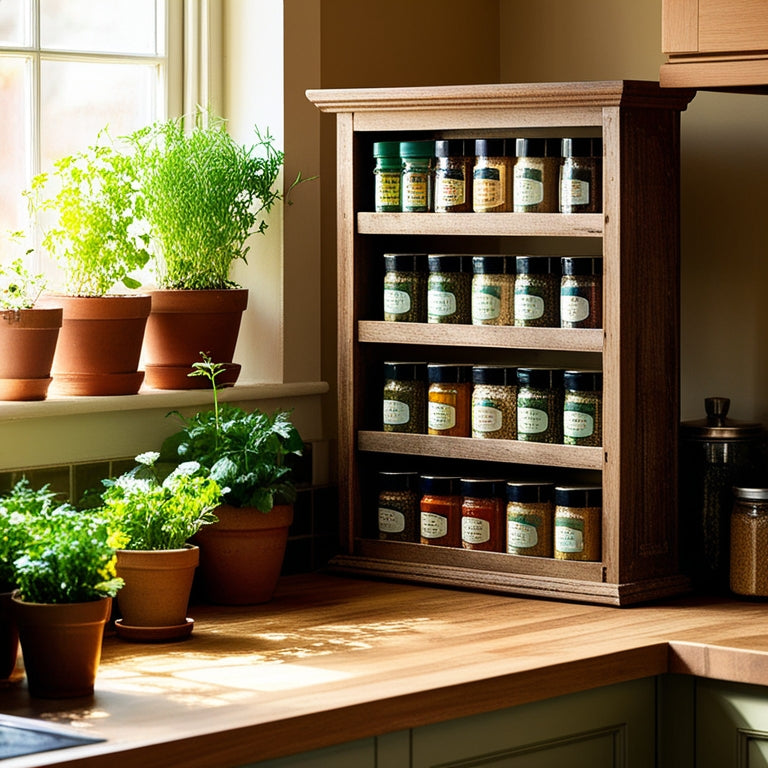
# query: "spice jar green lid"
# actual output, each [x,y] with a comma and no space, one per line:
[451,148]
[500,375]
[541,378]
[585,381]
[405,371]
[384,149]
[405,262]
[537,265]
[581,265]
[530,492]
[440,373]
[493,265]
[482,488]
[417,149]
[578,496]
[537,148]
[398,481]
[437,485]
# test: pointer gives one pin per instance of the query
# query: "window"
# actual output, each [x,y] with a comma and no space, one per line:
[68,68]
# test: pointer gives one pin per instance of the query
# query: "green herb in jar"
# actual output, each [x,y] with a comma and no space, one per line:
[493,290]
[530,518]
[581,292]
[405,287]
[578,522]
[449,287]
[537,292]
[387,172]
[398,509]
[494,402]
[416,176]
[583,408]
[405,398]
[540,405]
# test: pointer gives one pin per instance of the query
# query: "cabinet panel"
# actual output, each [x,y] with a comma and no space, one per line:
[732,25]
[356,754]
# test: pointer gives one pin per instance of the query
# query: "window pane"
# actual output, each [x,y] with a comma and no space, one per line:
[118,26]
[14,140]
[14,22]
[79,99]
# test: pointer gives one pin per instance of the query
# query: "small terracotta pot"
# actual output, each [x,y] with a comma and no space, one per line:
[9,637]
[183,324]
[242,554]
[157,585]
[61,644]
[27,344]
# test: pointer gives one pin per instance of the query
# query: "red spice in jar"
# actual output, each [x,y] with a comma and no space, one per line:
[440,511]
[482,514]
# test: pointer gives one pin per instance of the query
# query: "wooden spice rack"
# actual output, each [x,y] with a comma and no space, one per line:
[638,349]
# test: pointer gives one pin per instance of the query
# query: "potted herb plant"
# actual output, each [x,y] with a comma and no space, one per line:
[245,451]
[157,518]
[66,582]
[96,236]
[28,334]
[205,194]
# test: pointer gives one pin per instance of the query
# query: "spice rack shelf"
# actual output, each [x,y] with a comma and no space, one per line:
[637,235]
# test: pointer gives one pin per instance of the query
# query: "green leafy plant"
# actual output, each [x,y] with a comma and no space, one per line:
[155,513]
[98,236]
[205,194]
[245,451]
[19,288]
[54,553]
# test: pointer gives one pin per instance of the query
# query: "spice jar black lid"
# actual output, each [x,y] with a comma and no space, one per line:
[482,488]
[492,265]
[578,496]
[417,149]
[403,371]
[441,373]
[449,262]
[583,381]
[537,265]
[439,485]
[386,149]
[541,378]
[451,148]
[493,147]
[717,425]
[581,147]
[530,492]
[537,148]
[500,375]
[405,262]
[582,265]
[398,481]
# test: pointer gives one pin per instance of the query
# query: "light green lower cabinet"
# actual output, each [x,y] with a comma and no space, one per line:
[731,725]
[354,754]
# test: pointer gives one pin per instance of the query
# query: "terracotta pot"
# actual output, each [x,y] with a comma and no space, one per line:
[27,343]
[100,344]
[61,644]
[9,637]
[241,556]
[157,586]
[183,324]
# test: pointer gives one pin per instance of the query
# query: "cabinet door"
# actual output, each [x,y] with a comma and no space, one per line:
[607,727]
[731,725]
[355,754]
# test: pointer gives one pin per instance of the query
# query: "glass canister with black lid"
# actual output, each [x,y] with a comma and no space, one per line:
[405,287]
[716,454]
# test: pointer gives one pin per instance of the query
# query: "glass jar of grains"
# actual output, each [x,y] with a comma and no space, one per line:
[540,405]
[749,542]
[405,397]
[398,510]
[581,292]
[449,400]
[537,292]
[492,176]
[578,522]
[416,176]
[583,408]
[493,290]
[494,402]
[386,190]
[449,289]
[453,176]
[530,518]
[440,511]
[405,287]
[581,176]
[536,175]
[482,514]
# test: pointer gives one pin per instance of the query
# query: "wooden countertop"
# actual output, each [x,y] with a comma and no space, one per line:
[334,659]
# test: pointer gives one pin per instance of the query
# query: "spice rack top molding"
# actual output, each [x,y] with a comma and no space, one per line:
[488,106]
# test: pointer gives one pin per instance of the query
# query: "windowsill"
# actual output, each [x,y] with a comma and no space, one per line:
[148,399]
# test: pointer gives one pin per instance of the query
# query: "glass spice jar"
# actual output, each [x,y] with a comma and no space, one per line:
[386,189]
[405,397]
[416,176]
[440,511]
[449,289]
[749,542]
[492,176]
[581,292]
[494,402]
[493,290]
[530,518]
[449,400]
[537,292]
[398,510]
[583,408]
[453,176]
[536,175]
[540,405]
[482,514]
[581,176]
[578,522]
[405,287]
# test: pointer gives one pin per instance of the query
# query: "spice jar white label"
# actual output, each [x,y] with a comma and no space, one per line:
[486,418]
[521,535]
[441,304]
[486,305]
[574,192]
[532,421]
[441,416]
[396,302]
[475,530]
[433,526]
[568,538]
[396,412]
[573,309]
[528,306]
[391,520]
[578,424]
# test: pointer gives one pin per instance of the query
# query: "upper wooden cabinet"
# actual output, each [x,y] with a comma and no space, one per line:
[715,43]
